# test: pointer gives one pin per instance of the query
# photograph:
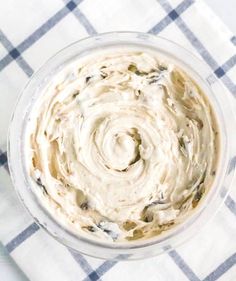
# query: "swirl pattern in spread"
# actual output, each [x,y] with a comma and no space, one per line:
[123,146]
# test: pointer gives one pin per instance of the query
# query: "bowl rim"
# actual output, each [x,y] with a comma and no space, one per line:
[179,229]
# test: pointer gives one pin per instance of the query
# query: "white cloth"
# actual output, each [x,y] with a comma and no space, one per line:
[32,31]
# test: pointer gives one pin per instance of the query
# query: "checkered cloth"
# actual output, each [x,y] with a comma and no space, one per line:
[31,32]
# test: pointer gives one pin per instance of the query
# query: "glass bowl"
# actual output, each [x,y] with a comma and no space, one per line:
[143,248]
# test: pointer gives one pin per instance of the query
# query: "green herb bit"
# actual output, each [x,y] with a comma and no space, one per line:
[181,142]
[87,79]
[154,80]
[132,68]
[162,67]
[137,234]
[148,217]
[199,123]
[128,225]
[146,214]
[182,146]
[75,94]
[139,93]
[103,75]
[167,225]
[197,197]
[89,228]
[141,73]
[84,205]
[203,178]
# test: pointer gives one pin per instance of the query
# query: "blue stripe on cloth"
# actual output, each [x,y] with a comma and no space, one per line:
[38,33]
[173,15]
[232,164]
[229,84]
[71,5]
[100,271]
[77,2]
[84,21]
[195,42]
[82,18]
[220,71]
[221,269]
[14,53]
[233,40]
[80,259]
[189,35]
[183,6]
[20,238]
[230,203]
[92,275]
[183,266]
[3,160]
[206,55]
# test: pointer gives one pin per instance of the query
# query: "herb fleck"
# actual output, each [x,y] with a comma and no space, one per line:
[203,179]
[199,123]
[110,232]
[75,94]
[132,68]
[148,217]
[141,73]
[197,197]
[128,225]
[162,67]
[84,205]
[182,146]
[103,75]
[167,225]
[39,183]
[90,228]
[154,79]
[137,234]
[87,79]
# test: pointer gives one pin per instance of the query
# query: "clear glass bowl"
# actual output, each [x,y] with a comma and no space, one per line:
[138,249]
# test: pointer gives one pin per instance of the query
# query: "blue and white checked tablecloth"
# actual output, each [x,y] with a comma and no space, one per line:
[33,30]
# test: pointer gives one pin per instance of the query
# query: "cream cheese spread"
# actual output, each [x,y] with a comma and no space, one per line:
[122,145]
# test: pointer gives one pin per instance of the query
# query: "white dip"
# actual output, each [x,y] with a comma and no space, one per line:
[122,145]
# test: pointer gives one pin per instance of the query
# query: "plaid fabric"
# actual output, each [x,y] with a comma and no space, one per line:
[31,31]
